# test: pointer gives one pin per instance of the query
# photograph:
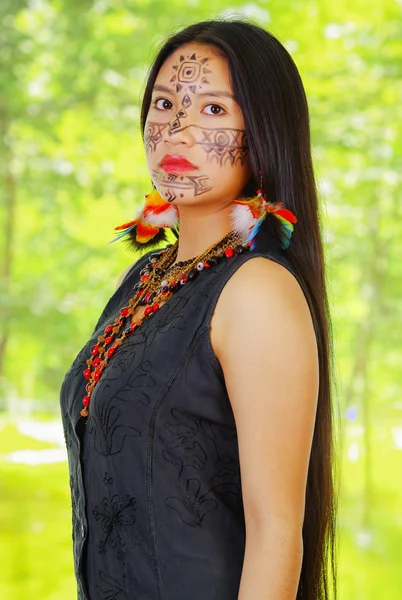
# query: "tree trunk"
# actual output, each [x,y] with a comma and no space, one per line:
[359,388]
[9,195]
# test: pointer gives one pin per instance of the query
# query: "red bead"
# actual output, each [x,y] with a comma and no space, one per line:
[133,326]
[95,350]
[144,277]
[97,362]
[184,279]
[87,373]
[147,295]
[148,310]
[229,252]
[155,307]
[97,374]
[108,329]
[139,292]
[108,339]
[111,351]
[124,311]
[207,265]
[86,401]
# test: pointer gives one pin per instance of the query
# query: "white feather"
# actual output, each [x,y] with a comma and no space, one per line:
[165,219]
[241,219]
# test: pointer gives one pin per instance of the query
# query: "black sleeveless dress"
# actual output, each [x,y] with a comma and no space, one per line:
[155,478]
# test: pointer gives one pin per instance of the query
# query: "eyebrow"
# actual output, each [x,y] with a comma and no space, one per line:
[215,93]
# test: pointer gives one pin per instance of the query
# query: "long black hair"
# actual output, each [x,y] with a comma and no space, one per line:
[271,95]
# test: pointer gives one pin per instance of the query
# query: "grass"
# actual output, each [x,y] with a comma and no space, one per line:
[35,524]
[35,547]
[369,571]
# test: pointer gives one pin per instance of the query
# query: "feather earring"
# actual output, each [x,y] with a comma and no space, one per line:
[146,230]
[248,214]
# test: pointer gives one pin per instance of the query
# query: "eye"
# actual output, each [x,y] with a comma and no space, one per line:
[216,106]
[164,100]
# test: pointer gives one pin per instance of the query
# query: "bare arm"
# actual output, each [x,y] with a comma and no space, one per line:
[264,339]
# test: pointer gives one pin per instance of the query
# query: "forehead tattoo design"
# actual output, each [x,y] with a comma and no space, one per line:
[186,76]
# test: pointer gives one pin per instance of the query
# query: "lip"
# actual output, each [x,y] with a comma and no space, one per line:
[176,163]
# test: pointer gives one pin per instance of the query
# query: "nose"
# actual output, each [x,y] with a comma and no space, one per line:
[179,131]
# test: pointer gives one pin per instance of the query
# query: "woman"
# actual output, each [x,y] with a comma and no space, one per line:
[198,416]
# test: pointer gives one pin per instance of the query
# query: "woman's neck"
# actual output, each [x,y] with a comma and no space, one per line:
[200,231]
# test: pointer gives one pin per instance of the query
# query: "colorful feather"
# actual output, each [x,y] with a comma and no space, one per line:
[144,230]
[248,214]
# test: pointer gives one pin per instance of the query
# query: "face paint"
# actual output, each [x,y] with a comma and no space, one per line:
[174,186]
[186,77]
[189,73]
[153,135]
[225,146]
[216,143]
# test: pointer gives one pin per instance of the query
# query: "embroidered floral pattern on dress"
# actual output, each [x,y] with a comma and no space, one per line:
[141,383]
[169,316]
[193,445]
[109,588]
[115,515]
[128,368]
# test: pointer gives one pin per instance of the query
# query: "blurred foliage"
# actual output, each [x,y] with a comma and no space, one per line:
[72,164]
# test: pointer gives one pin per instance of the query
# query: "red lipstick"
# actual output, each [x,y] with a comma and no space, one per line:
[176,163]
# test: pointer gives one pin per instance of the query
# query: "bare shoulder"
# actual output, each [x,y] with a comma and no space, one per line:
[261,290]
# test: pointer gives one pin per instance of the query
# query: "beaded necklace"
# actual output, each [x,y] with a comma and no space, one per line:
[153,290]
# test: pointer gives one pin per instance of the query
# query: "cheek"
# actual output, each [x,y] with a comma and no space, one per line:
[153,136]
[226,148]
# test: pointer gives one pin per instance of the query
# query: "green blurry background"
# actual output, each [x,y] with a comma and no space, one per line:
[72,166]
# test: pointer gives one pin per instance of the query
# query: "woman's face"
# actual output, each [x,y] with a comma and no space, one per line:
[194,117]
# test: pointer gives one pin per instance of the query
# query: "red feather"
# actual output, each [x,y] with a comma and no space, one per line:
[126,225]
[287,214]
